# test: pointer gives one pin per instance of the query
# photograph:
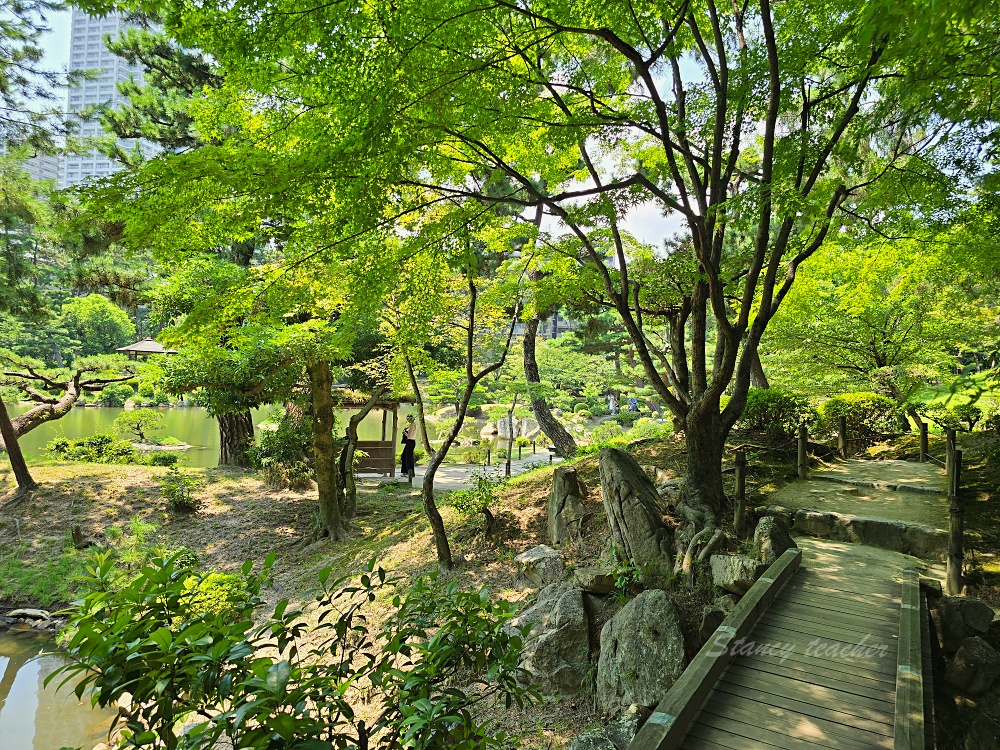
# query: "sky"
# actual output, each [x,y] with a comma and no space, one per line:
[56,42]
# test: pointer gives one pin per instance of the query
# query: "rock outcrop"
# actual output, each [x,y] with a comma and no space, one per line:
[635,512]
[736,573]
[541,565]
[974,668]
[959,617]
[771,539]
[642,653]
[566,511]
[557,648]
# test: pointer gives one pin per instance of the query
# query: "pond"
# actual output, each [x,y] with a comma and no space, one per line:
[191,425]
[33,717]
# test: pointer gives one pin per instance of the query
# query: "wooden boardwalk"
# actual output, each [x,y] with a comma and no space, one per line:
[807,660]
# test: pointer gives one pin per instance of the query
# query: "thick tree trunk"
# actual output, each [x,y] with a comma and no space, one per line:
[324,449]
[561,439]
[235,439]
[8,441]
[758,378]
[706,440]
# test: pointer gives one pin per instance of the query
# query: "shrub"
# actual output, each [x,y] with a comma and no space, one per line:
[138,422]
[584,413]
[474,455]
[294,475]
[117,394]
[178,489]
[100,448]
[480,497]
[522,442]
[627,418]
[868,414]
[580,406]
[648,429]
[776,412]
[282,454]
[215,594]
[280,681]
[163,458]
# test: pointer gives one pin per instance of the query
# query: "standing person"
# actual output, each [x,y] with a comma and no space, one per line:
[409,445]
[612,404]
[633,404]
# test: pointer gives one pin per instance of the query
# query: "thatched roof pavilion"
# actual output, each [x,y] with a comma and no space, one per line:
[142,349]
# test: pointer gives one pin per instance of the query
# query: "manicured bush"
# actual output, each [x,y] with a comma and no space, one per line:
[776,412]
[100,448]
[117,394]
[481,497]
[580,406]
[474,455]
[215,594]
[868,414]
[649,429]
[627,418]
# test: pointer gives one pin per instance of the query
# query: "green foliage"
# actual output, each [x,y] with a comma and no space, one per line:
[283,454]
[606,435]
[481,497]
[955,416]
[215,595]
[98,323]
[628,575]
[178,489]
[627,418]
[132,546]
[163,458]
[776,412]
[649,429]
[100,448]
[283,683]
[116,394]
[474,455]
[138,422]
[868,414]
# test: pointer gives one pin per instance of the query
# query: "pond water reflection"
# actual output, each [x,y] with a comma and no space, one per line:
[34,717]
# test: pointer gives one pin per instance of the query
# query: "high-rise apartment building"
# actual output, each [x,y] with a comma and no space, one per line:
[88,52]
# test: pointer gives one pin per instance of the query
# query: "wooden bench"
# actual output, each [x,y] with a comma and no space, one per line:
[380,457]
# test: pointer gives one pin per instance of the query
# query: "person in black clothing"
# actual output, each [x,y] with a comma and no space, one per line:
[409,445]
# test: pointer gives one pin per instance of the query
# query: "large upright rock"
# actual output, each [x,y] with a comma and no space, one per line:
[557,648]
[635,511]
[735,573]
[771,539]
[566,511]
[642,653]
[974,668]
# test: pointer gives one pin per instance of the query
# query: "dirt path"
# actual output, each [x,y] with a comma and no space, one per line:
[893,497]
[459,476]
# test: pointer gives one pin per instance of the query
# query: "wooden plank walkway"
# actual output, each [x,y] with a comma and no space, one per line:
[833,661]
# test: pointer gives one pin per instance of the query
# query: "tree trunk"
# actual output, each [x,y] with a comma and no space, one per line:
[510,435]
[324,449]
[235,439]
[434,459]
[8,440]
[347,462]
[421,419]
[758,378]
[706,440]
[561,439]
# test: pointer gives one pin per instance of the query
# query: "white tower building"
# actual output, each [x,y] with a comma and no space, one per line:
[87,52]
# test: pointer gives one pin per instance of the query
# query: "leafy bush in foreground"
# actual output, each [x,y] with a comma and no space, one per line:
[283,683]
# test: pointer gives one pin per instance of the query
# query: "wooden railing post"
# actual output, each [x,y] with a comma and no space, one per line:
[803,459]
[923,442]
[532,447]
[949,452]
[489,457]
[739,509]
[956,529]
[519,452]
[842,437]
